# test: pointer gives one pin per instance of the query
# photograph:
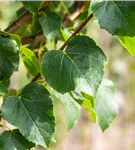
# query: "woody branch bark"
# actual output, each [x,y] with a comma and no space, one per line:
[21,20]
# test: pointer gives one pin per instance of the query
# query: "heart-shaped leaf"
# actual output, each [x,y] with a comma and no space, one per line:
[80,66]
[32,113]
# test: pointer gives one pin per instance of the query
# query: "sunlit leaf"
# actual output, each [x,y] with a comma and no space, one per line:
[30,61]
[82,63]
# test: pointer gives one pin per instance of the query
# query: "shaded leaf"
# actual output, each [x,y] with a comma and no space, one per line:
[82,63]
[32,6]
[105,105]
[50,24]
[9,57]
[67,4]
[32,113]
[13,140]
[4,86]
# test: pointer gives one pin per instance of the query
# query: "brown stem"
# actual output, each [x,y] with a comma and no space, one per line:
[36,77]
[74,15]
[33,39]
[40,37]
[77,31]
[25,17]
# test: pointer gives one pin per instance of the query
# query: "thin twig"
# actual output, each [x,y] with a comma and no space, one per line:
[74,15]
[77,31]
[25,17]
[36,77]
[33,39]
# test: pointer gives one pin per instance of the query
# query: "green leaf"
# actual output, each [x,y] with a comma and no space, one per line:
[50,24]
[128,43]
[88,97]
[32,113]
[4,86]
[87,105]
[13,140]
[32,6]
[82,63]
[87,101]
[115,16]
[9,57]
[30,61]
[105,105]
[67,4]
[64,35]
[12,36]
[71,107]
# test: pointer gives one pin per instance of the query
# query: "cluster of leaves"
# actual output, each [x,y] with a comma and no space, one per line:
[73,75]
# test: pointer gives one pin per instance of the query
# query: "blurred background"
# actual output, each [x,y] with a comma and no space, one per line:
[120,69]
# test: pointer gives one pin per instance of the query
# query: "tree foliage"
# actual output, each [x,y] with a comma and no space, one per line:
[72,73]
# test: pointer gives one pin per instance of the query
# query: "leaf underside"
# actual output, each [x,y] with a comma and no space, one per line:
[105,105]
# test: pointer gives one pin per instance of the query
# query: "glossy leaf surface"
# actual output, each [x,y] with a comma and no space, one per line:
[82,63]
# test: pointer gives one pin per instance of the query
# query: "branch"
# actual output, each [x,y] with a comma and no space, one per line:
[25,17]
[74,16]
[40,37]
[36,77]
[33,39]
[77,31]
[65,44]
[21,10]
